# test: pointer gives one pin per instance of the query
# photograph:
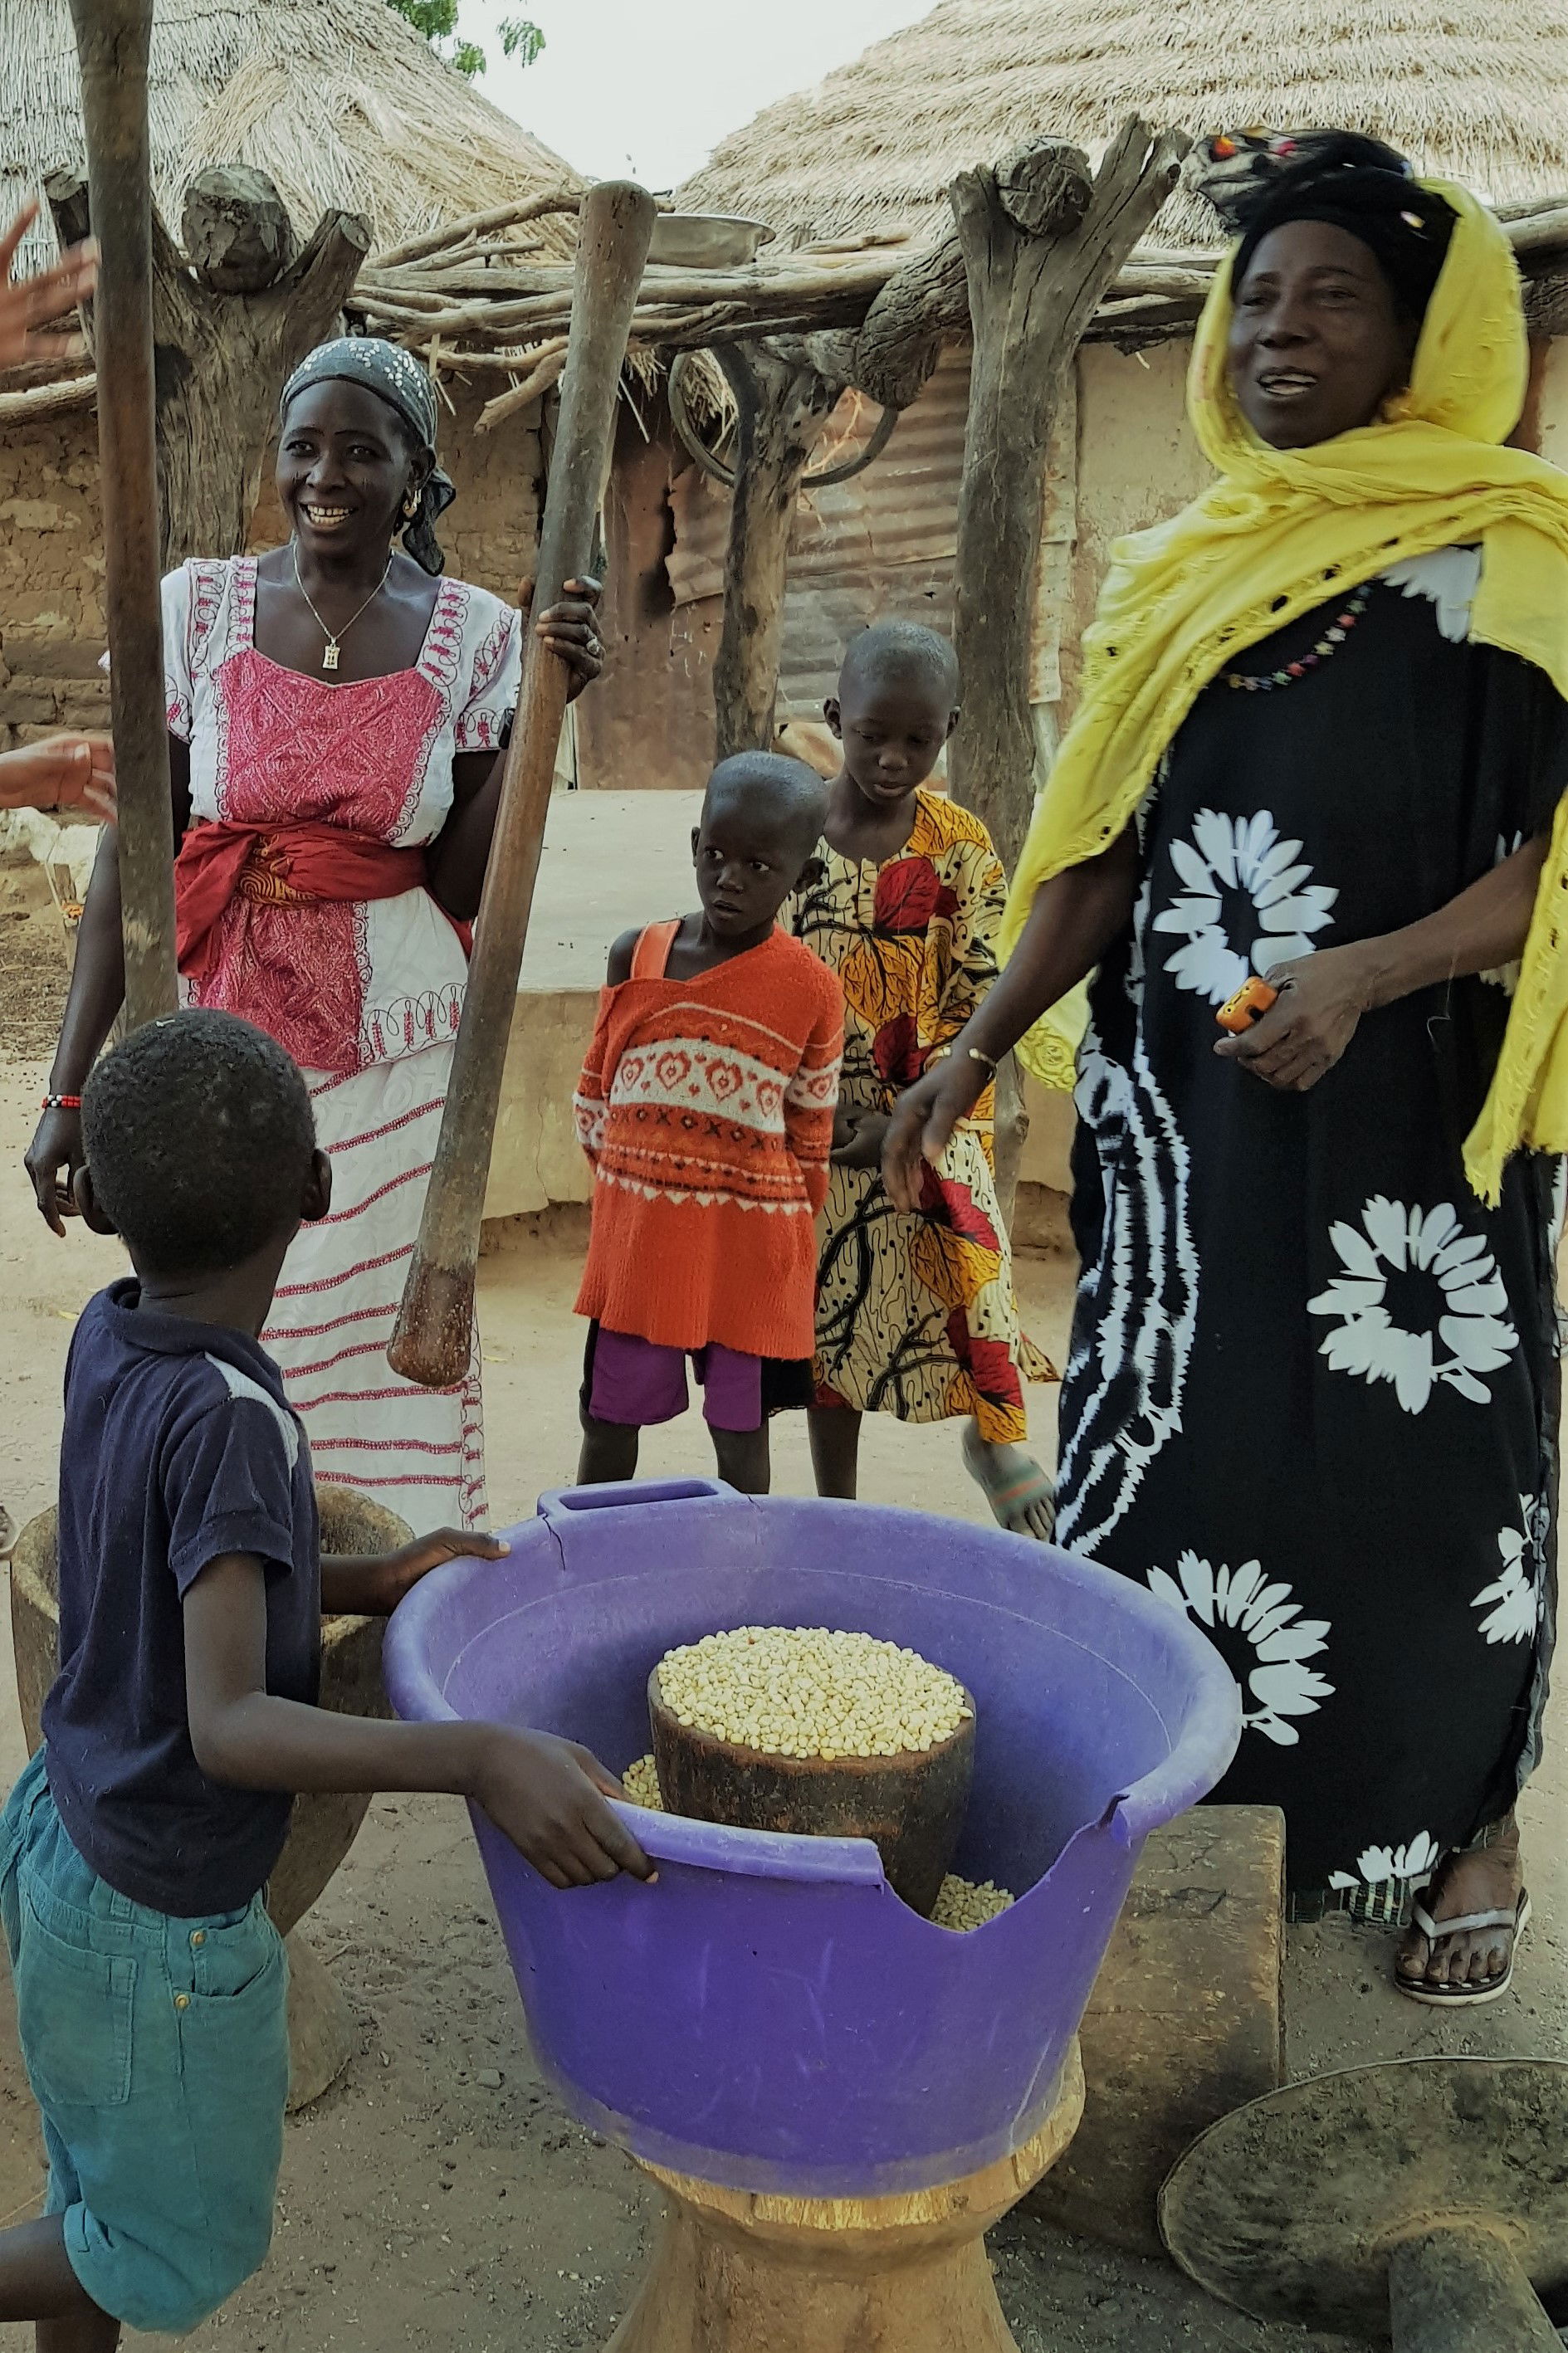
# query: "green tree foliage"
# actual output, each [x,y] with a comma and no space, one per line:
[520,38]
[437,19]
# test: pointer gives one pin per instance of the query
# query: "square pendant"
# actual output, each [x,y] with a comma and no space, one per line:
[329,660]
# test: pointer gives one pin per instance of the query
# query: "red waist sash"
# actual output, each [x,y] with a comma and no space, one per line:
[280,865]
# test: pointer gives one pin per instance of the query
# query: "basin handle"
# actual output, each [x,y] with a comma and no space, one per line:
[615,1494]
[754,1854]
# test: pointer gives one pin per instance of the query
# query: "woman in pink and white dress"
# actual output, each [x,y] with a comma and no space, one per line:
[337,713]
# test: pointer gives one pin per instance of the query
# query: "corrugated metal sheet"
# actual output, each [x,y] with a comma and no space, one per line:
[882,545]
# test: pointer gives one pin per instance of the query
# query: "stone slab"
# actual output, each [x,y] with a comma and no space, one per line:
[1185,2023]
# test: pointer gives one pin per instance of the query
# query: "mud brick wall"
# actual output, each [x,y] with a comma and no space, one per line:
[51,579]
[51,554]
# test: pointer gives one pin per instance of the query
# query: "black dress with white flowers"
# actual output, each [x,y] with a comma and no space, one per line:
[1313,1391]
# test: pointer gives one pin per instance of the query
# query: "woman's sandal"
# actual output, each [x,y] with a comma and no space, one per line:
[1012,1500]
[1468,1996]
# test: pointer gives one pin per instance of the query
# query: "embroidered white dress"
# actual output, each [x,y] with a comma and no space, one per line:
[365,995]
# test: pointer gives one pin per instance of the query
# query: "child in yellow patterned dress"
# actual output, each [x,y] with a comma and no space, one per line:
[915,1313]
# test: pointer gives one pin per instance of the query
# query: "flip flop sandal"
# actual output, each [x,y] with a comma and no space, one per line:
[1466,1997]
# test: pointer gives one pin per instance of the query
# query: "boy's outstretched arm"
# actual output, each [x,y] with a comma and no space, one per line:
[546,1795]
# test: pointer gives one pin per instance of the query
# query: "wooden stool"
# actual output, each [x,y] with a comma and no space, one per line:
[1185,2022]
[736,2272]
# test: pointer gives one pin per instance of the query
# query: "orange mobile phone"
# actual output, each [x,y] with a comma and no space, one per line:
[1250,1003]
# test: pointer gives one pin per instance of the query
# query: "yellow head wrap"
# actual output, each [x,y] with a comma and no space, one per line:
[1282,533]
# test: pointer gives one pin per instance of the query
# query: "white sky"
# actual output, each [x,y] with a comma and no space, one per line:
[647,88]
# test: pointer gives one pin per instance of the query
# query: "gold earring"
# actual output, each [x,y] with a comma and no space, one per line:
[411,505]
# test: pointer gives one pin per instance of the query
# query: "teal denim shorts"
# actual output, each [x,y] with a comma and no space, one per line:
[157,2049]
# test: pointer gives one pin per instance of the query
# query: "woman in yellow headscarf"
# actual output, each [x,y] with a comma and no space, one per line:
[1313,1393]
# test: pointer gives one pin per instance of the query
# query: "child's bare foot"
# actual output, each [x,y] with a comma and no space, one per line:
[1484,1886]
[1022,1497]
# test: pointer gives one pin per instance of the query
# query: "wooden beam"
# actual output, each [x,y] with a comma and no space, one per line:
[885,307]
[47,399]
[477,225]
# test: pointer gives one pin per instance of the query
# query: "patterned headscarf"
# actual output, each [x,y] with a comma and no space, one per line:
[395,376]
[1352,182]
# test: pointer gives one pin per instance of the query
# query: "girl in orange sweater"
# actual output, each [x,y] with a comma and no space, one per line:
[707,1107]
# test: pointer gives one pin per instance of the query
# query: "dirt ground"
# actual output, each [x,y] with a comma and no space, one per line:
[436,2198]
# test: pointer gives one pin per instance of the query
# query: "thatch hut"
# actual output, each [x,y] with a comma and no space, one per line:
[343,106]
[1466,89]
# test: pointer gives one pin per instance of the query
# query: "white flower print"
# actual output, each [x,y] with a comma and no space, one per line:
[1517,1595]
[1472,1334]
[1269,1619]
[1416,1860]
[1240,854]
[1449,577]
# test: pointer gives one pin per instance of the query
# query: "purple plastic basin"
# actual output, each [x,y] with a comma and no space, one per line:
[769,2015]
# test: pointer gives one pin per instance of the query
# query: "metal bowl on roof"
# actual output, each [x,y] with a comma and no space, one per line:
[705,240]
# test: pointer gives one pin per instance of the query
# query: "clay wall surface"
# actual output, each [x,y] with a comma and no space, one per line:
[51,579]
[1137,462]
[1553,405]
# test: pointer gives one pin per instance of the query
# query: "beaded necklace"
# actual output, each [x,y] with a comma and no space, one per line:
[1327,647]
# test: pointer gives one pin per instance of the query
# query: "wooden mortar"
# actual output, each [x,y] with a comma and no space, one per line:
[911,1805]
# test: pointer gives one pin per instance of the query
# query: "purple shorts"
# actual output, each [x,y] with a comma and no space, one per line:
[637,1382]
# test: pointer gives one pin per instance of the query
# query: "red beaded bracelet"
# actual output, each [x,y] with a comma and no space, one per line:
[61,1102]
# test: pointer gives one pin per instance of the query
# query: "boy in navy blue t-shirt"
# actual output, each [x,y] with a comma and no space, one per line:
[151,1985]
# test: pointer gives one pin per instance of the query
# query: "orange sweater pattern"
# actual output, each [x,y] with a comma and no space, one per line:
[707,1107]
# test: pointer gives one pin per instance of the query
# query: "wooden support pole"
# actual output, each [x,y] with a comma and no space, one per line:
[113,40]
[1042,244]
[780,403]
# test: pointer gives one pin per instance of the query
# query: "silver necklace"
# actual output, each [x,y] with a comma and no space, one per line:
[334,640]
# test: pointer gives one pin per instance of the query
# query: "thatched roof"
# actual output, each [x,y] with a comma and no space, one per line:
[339,101]
[1470,88]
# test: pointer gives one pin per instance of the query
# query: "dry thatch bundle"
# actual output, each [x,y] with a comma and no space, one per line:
[339,100]
[1469,87]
